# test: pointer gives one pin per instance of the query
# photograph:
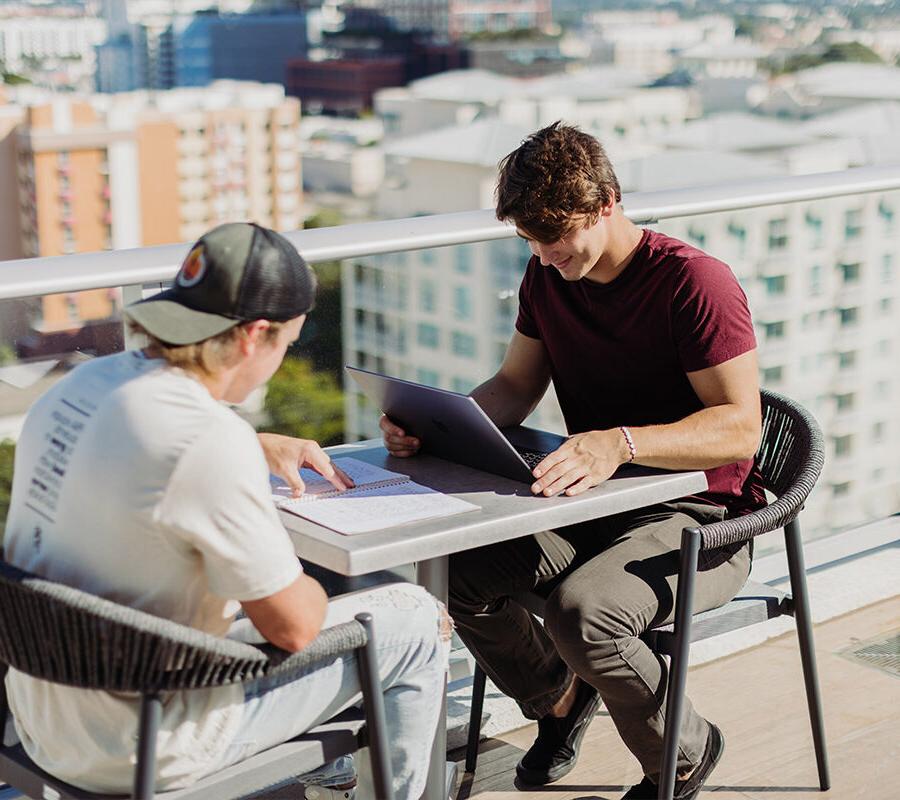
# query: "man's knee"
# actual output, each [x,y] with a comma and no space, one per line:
[576,614]
[469,587]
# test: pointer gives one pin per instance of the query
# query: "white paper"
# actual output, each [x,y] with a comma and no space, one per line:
[361,473]
[377,507]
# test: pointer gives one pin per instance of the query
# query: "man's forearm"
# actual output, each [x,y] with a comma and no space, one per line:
[503,402]
[709,438]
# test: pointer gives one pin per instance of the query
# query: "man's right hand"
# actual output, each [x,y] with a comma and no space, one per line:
[396,441]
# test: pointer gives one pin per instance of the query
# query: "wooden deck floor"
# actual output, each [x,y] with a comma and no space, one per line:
[758,700]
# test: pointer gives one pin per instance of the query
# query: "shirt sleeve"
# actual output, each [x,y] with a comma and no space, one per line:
[525,321]
[711,320]
[219,501]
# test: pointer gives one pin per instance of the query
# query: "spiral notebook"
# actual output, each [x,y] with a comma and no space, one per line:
[380,499]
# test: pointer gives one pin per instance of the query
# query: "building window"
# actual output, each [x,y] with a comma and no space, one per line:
[848,316]
[847,360]
[697,236]
[843,445]
[429,257]
[739,233]
[885,305]
[883,347]
[778,234]
[772,375]
[464,344]
[773,330]
[840,489]
[878,430]
[850,273]
[853,224]
[844,402]
[428,296]
[428,335]
[428,376]
[886,212]
[775,286]
[815,228]
[463,385]
[463,263]
[815,280]
[462,302]
[887,268]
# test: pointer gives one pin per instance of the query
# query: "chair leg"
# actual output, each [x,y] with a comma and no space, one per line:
[373,705]
[797,570]
[148,727]
[479,681]
[675,690]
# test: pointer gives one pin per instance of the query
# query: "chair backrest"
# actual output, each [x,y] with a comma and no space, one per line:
[790,457]
[63,635]
[791,450]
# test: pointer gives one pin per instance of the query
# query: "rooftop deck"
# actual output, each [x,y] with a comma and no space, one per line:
[757,698]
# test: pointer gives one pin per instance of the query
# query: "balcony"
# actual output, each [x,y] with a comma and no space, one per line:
[852,557]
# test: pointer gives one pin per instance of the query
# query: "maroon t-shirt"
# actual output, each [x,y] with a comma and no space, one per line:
[619,352]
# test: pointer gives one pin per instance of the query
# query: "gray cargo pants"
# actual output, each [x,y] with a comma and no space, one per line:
[606,582]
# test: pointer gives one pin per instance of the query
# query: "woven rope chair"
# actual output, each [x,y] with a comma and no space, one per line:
[63,635]
[790,458]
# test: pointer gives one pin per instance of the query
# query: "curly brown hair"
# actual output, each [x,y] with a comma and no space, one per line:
[558,177]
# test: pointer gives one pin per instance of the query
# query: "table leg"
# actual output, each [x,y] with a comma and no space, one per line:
[433,575]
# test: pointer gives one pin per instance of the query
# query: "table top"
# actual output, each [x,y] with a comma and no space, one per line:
[507,510]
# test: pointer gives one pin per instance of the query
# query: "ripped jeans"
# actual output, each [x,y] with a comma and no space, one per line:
[412,659]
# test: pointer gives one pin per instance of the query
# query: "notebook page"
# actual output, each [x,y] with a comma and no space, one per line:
[361,472]
[377,507]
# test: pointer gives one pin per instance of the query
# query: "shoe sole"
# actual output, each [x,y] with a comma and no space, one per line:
[532,778]
[717,756]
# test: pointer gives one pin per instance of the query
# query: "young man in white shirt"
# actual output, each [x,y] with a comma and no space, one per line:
[134,481]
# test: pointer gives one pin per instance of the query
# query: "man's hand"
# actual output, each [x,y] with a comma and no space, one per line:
[285,455]
[396,441]
[583,461]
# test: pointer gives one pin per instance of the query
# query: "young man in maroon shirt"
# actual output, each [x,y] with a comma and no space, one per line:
[650,347]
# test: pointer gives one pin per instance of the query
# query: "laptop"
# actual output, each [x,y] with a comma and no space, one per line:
[453,426]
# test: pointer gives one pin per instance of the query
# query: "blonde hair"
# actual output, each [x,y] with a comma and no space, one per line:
[207,356]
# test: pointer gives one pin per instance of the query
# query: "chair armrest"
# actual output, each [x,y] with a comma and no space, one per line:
[328,645]
[742,529]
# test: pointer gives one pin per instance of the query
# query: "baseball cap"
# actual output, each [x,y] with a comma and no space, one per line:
[237,272]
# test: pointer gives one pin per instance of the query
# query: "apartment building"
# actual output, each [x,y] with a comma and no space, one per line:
[616,102]
[821,278]
[54,46]
[117,171]
[453,19]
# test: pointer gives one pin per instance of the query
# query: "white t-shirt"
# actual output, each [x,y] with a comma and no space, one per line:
[131,482]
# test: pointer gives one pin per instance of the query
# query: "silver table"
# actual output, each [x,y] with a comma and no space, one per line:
[507,510]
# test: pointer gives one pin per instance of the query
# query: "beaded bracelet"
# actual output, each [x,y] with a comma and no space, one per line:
[629,441]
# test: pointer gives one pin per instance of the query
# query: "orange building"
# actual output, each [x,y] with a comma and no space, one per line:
[119,171]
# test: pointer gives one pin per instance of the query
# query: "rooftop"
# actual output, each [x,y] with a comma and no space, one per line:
[746,694]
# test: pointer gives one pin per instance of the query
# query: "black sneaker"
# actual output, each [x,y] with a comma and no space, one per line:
[690,787]
[555,750]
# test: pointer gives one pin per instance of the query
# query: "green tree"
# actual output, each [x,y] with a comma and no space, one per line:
[7,455]
[320,339]
[304,403]
[834,53]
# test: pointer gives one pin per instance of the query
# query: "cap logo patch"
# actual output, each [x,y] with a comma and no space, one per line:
[193,269]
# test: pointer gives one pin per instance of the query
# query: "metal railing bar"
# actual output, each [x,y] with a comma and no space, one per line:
[58,274]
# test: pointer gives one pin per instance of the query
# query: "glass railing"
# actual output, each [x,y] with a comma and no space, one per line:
[434,299]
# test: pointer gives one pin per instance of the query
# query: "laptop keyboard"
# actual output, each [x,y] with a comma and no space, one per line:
[532,457]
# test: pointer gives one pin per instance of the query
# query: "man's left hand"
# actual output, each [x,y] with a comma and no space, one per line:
[583,461]
[285,456]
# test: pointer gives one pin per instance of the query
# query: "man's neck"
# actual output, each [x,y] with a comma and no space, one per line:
[624,237]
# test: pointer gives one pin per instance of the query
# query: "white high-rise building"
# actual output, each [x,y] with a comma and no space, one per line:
[821,278]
